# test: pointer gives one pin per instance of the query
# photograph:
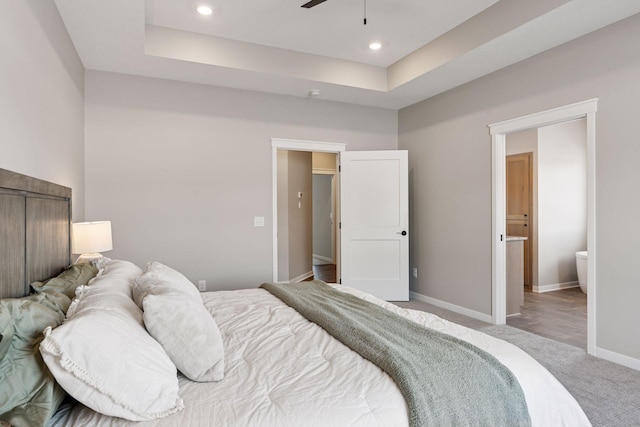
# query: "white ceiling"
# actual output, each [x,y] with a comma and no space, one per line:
[334,28]
[278,47]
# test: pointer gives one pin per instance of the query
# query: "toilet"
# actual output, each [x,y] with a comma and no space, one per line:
[581,265]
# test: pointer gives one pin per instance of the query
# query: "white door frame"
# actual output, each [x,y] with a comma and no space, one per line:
[295,145]
[585,109]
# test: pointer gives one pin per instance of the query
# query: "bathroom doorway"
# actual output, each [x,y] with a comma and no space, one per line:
[499,131]
[546,202]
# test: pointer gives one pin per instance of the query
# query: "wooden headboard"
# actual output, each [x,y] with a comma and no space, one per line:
[35,238]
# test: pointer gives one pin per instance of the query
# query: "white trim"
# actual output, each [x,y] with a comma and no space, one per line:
[546,118]
[296,145]
[585,109]
[620,359]
[451,307]
[591,232]
[555,287]
[499,235]
[302,145]
[274,209]
[320,171]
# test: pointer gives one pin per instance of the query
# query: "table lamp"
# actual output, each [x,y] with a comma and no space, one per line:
[89,239]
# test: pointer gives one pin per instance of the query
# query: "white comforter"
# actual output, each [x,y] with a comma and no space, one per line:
[282,370]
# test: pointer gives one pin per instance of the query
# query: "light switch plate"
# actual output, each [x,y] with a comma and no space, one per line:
[258,221]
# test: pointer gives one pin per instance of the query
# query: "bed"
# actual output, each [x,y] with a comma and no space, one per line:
[276,369]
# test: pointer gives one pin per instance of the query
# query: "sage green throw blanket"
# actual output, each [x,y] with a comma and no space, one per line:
[444,380]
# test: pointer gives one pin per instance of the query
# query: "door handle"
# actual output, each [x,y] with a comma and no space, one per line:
[403,232]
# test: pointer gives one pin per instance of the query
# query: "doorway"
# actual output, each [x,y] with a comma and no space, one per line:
[372,240]
[280,230]
[499,131]
[546,192]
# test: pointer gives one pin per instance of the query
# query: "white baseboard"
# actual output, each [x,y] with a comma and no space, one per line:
[452,307]
[555,287]
[323,258]
[620,359]
[301,277]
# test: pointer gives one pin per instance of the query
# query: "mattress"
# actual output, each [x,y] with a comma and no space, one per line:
[282,370]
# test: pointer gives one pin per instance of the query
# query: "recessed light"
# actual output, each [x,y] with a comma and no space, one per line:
[204,10]
[314,92]
[375,46]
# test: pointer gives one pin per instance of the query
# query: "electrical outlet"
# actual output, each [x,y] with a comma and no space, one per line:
[202,285]
[415,272]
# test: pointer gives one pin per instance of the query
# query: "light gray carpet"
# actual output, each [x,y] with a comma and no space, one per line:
[608,393]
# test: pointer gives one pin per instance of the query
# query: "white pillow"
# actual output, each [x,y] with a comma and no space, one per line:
[174,280]
[181,324]
[103,356]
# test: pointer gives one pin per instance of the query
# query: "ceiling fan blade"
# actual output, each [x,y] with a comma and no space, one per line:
[312,3]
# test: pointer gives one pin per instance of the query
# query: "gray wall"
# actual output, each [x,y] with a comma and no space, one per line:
[294,215]
[181,169]
[283,215]
[300,214]
[41,97]
[450,167]
[322,215]
[562,201]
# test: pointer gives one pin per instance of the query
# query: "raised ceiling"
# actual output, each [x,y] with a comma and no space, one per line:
[275,46]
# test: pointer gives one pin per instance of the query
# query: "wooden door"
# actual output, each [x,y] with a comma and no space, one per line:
[519,204]
[375,221]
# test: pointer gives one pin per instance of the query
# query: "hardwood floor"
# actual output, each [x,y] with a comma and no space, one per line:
[325,272]
[559,315]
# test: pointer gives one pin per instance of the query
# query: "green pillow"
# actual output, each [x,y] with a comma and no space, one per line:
[66,282]
[29,395]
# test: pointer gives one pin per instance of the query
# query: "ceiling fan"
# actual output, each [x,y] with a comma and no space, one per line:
[312,3]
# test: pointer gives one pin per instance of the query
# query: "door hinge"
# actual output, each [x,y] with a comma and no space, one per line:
[340,281]
[501,237]
[339,168]
[340,225]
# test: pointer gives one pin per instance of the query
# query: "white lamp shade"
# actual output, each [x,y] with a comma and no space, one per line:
[91,237]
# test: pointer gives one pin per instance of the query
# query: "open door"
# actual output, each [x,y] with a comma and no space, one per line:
[375,222]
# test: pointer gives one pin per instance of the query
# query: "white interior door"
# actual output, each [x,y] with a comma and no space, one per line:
[375,222]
